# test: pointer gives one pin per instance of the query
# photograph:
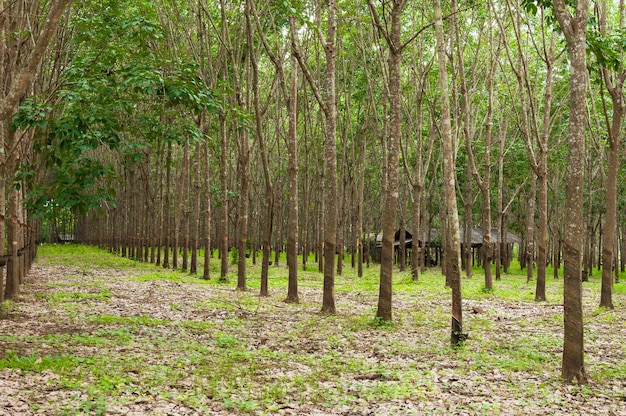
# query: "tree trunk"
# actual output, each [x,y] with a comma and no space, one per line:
[242,218]
[12,287]
[292,146]
[180,216]
[402,244]
[542,179]
[615,85]
[206,270]
[360,201]
[269,186]
[530,229]
[167,206]
[451,254]
[574,29]
[390,189]
[195,222]
[224,223]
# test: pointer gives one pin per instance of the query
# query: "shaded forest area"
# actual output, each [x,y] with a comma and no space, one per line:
[167,131]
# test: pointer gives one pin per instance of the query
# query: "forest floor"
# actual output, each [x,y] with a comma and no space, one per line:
[96,334]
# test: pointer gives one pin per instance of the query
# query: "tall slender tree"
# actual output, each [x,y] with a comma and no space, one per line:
[392,37]
[290,94]
[329,107]
[573,22]
[613,79]
[452,238]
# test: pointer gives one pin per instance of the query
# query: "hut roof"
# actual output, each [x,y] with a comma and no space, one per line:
[428,235]
[477,236]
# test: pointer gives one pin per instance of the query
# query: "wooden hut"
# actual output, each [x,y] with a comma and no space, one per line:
[508,242]
[427,242]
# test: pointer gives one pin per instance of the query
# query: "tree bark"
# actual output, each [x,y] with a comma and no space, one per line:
[530,230]
[206,269]
[574,28]
[180,216]
[329,107]
[292,146]
[269,186]
[452,240]
[167,206]
[614,84]
[224,223]
[542,178]
[330,157]
[195,221]
[390,190]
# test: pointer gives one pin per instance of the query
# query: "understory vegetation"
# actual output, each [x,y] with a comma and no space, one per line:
[94,333]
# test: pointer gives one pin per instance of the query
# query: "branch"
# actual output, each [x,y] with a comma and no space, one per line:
[18,89]
[419,32]
[305,68]
[277,64]
[378,24]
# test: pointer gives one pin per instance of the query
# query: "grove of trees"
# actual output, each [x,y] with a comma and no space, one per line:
[181,132]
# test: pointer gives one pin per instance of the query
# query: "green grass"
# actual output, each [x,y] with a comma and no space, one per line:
[130,321]
[32,362]
[67,297]
[86,258]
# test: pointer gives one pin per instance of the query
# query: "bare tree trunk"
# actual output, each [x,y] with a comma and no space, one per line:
[574,28]
[242,220]
[3,214]
[12,287]
[269,186]
[542,179]
[186,212]
[615,85]
[390,189]
[542,237]
[360,201]
[161,211]
[167,206]
[530,229]
[195,237]
[484,182]
[292,145]
[223,225]
[180,215]
[4,132]
[451,254]
[206,271]
[329,106]
[402,243]
[330,157]
[16,81]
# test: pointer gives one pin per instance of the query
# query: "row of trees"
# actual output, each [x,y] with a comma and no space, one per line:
[167,126]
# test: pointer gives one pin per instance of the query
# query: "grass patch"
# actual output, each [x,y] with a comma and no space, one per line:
[86,258]
[131,321]
[69,297]
[58,363]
